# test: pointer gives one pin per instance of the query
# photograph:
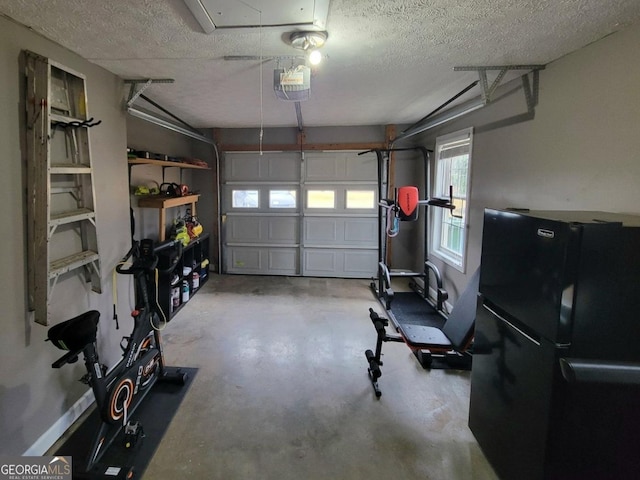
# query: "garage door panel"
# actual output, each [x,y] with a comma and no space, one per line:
[262,260]
[348,263]
[338,232]
[319,167]
[244,259]
[321,230]
[283,260]
[323,261]
[361,231]
[340,166]
[361,262]
[282,229]
[270,166]
[261,230]
[243,229]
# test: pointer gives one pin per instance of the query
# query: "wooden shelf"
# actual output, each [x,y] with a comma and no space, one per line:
[77,260]
[70,169]
[162,201]
[165,163]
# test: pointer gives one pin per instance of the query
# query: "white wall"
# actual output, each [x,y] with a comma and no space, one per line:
[32,395]
[581,152]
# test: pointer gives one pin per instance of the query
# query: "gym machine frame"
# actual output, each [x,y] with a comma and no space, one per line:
[381,286]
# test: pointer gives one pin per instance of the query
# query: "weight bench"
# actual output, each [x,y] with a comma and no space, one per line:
[449,344]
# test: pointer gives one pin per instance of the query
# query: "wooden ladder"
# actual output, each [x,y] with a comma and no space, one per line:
[61,214]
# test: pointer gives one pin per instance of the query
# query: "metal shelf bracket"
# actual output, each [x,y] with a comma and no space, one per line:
[530,91]
[135,92]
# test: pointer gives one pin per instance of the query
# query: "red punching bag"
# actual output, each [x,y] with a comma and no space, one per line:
[408,203]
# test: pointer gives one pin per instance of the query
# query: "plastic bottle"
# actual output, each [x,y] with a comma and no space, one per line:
[185,291]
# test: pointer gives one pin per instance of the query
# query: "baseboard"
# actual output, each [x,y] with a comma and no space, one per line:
[51,436]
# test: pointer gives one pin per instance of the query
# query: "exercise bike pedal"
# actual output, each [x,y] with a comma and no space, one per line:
[132,433]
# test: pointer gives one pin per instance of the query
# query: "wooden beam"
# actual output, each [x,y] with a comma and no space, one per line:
[302,139]
[288,147]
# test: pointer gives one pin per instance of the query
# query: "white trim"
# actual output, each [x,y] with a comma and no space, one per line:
[51,436]
[436,218]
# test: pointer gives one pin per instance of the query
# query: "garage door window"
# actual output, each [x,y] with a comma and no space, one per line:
[359,199]
[245,199]
[282,199]
[321,199]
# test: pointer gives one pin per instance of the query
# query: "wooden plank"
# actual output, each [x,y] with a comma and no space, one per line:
[159,201]
[72,262]
[71,216]
[165,163]
[288,147]
[70,169]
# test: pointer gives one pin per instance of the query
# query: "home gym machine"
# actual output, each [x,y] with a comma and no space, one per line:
[421,323]
[404,207]
[120,391]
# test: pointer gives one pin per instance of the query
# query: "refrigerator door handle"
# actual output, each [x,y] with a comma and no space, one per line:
[504,320]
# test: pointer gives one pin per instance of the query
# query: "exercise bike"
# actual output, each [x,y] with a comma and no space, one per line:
[119,391]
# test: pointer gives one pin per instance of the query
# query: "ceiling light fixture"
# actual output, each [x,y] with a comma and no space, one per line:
[310,42]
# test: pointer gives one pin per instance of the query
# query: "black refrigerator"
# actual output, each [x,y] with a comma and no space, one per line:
[555,384]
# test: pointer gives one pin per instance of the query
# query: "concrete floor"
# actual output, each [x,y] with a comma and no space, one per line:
[282,391]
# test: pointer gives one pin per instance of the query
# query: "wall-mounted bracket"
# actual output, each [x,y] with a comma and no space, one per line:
[434,119]
[488,90]
[140,85]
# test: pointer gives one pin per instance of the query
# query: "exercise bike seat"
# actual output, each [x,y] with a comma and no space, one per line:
[76,333]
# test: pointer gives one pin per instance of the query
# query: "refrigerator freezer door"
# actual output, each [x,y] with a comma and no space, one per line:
[528,271]
[511,396]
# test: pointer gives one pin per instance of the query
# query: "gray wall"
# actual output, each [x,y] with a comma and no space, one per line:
[579,153]
[33,395]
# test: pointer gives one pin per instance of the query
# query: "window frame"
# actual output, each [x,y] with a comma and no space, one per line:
[440,215]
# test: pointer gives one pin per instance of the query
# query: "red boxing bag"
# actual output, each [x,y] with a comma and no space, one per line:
[408,203]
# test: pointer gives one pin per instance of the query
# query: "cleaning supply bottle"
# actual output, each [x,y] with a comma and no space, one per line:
[185,291]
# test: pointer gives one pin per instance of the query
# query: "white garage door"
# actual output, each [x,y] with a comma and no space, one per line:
[311,214]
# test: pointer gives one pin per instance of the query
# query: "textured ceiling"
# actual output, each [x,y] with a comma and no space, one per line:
[388,61]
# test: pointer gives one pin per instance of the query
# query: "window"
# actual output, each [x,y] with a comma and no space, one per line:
[245,199]
[282,199]
[321,199]
[453,171]
[360,199]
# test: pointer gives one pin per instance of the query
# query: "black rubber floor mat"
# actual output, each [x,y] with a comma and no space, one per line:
[154,413]
[410,308]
